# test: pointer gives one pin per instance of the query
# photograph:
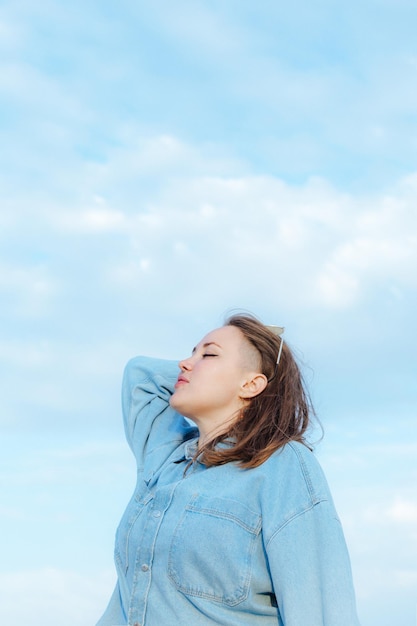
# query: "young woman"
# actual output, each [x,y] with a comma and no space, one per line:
[231,523]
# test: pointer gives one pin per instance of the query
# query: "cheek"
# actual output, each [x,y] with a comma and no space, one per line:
[226,387]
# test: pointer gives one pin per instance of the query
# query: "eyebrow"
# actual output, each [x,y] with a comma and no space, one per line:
[205,345]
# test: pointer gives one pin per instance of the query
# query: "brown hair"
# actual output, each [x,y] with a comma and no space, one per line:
[279,414]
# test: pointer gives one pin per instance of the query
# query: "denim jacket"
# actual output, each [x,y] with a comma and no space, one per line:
[221,545]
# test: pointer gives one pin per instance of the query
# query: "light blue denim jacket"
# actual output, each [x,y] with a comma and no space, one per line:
[221,545]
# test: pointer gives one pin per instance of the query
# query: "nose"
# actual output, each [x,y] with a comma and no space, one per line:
[185,365]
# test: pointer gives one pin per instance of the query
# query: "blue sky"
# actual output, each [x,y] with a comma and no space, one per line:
[161,164]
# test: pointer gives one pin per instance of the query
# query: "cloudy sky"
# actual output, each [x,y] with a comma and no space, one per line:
[162,163]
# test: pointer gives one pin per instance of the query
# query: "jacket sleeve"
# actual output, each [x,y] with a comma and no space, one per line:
[311,571]
[149,421]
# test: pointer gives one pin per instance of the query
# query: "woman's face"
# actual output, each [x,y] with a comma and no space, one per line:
[209,386]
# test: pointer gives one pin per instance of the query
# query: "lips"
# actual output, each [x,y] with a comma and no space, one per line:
[181,381]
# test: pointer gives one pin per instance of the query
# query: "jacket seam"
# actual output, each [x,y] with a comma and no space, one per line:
[295,516]
[306,474]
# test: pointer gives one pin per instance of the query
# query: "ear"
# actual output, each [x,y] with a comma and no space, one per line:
[254,384]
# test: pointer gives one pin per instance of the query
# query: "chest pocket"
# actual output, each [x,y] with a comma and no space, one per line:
[212,549]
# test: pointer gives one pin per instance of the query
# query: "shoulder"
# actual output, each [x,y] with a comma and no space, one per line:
[295,471]
[294,486]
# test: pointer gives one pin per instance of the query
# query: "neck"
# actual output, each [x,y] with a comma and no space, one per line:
[208,431]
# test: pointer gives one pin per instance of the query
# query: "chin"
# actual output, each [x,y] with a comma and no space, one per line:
[175,403]
[172,401]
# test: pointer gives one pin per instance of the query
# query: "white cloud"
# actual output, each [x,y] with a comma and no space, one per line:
[91,221]
[330,249]
[327,240]
[338,288]
[403,512]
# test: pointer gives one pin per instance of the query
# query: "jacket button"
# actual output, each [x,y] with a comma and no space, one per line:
[144,568]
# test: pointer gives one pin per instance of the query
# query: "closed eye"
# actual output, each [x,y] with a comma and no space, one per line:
[204,355]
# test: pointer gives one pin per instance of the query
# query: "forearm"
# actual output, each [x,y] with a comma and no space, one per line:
[147,387]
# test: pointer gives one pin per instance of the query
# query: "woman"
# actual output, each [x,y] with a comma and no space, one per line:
[231,523]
